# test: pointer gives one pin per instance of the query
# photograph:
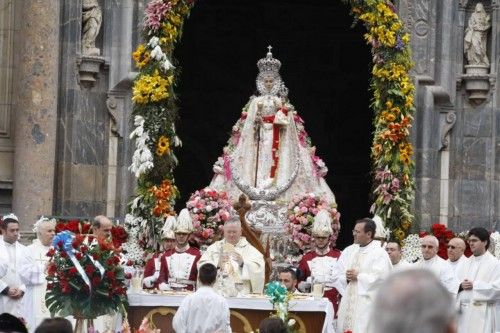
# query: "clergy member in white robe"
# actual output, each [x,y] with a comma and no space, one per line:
[205,311]
[440,267]
[237,257]
[395,253]
[456,250]
[362,268]
[13,292]
[45,230]
[479,291]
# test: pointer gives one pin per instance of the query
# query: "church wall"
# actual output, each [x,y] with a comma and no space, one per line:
[455,137]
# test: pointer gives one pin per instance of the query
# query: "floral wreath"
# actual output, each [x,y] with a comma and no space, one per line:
[155,112]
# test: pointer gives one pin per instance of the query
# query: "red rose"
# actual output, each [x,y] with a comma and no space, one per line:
[78,256]
[85,228]
[96,256]
[72,271]
[63,254]
[60,244]
[51,269]
[50,286]
[51,252]
[110,275]
[128,276]
[129,263]
[91,239]
[96,280]
[89,269]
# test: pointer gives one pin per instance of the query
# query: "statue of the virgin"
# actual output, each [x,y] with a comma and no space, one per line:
[269,155]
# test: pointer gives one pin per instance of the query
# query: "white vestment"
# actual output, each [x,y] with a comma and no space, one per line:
[480,307]
[253,262]
[373,265]
[39,283]
[205,311]
[401,266]
[442,270]
[19,274]
[454,264]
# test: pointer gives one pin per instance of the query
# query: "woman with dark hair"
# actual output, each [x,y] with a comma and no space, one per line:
[272,325]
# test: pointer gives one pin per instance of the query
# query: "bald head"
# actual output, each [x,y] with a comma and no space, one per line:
[430,246]
[101,227]
[456,249]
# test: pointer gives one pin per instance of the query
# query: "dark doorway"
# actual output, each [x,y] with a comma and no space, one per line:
[325,65]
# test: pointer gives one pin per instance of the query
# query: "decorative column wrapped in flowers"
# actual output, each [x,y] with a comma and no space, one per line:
[84,278]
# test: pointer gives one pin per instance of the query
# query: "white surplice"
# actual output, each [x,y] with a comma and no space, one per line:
[373,265]
[480,307]
[442,270]
[205,311]
[454,264]
[18,275]
[401,266]
[253,262]
[38,284]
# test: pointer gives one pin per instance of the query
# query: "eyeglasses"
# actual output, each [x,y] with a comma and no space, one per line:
[451,247]
[427,246]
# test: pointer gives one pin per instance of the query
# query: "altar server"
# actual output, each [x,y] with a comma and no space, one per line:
[205,311]
[479,290]
[362,269]
[13,293]
[237,257]
[179,265]
[319,264]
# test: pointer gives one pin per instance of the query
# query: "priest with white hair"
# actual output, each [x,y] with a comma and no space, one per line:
[45,230]
[237,257]
[434,263]
[361,271]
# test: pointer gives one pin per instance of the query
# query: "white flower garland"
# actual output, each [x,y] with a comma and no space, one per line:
[495,240]
[132,247]
[411,248]
[142,160]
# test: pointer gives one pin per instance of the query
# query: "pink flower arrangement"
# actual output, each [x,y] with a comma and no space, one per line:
[389,185]
[155,12]
[209,209]
[301,213]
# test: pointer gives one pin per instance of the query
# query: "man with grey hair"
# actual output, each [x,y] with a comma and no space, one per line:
[434,263]
[101,227]
[456,249]
[236,257]
[413,301]
[45,230]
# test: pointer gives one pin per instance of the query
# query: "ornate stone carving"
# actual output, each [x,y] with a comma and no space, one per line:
[476,36]
[91,24]
[477,79]
[449,121]
[88,69]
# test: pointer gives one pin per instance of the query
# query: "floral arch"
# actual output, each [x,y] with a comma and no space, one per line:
[155,113]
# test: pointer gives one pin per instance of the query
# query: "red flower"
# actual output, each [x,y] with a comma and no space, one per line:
[63,254]
[72,271]
[128,276]
[78,256]
[85,228]
[60,244]
[95,281]
[84,249]
[129,262]
[51,252]
[96,256]
[110,275]
[89,269]
[51,269]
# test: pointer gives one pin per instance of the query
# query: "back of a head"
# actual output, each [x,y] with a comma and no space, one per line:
[272,325]
[11,324]
[412,301]
[207,274]
[55,325]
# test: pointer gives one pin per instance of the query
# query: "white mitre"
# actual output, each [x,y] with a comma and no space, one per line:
[381,233]
[322,226]
[184,222]
[167,231]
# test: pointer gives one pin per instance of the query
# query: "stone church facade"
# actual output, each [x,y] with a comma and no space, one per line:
[64,114]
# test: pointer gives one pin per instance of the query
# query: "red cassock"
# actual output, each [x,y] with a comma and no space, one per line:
[180,266]
[150,267]
[321,267]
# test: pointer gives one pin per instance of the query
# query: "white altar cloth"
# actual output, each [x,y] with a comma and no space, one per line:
[248,303]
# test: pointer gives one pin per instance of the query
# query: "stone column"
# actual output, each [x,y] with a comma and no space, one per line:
[35,95]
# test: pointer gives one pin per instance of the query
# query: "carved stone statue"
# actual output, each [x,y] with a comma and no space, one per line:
[476,37]
[91,24]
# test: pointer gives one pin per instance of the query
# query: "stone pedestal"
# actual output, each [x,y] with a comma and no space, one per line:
[36,50]
[477,82]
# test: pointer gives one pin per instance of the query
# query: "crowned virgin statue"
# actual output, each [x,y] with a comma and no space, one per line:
[269,155]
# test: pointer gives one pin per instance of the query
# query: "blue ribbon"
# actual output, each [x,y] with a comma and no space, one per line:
[66,240]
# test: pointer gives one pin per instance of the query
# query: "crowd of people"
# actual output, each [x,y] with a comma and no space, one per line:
[370,286]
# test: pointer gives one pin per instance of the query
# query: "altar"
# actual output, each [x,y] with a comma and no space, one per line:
[311,315]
